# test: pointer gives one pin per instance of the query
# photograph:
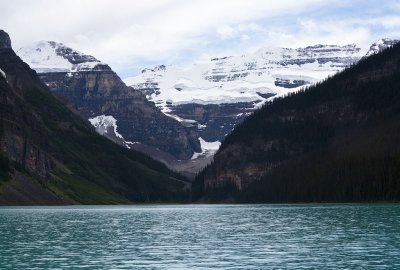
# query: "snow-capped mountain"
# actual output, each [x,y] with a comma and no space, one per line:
[99,95]
[178,113]
[218,94]
[50,56]
[246,78]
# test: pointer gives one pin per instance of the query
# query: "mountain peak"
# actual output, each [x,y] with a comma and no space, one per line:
[157,68]
[5,41]
[50,56]
[380,45]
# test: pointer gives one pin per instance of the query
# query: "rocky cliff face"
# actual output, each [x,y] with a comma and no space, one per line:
[94,90]
[21,148]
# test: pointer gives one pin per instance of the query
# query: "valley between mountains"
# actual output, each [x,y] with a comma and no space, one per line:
[278,125]
[180,115]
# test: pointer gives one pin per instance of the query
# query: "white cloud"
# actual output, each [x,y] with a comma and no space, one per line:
[384,21]
[121,31]
[129,34]
[330,32]
[308,25]
[244,37]
[226,32]
[249,27]
[240,30]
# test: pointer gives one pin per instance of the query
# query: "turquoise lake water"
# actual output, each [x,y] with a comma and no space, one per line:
[331,236]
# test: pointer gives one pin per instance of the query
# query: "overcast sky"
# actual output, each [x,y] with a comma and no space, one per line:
[131,35]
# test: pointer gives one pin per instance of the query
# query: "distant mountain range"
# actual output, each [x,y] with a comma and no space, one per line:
[217,95]
[180,115]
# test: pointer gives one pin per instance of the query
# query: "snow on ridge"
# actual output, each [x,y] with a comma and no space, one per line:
[245,78]
[207,148]
[50,56]
[2,73]
[183,121]
[103,123]
[380,45]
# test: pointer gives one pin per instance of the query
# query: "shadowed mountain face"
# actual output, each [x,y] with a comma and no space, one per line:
[50,155]
[96,92]
[336,141]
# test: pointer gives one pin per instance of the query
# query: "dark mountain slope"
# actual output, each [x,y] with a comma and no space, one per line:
[336,141]
[60,155]
[94,90]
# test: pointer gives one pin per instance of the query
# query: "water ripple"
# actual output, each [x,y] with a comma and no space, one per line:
[201,237]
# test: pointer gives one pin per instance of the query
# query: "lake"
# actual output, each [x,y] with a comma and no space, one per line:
[309,236]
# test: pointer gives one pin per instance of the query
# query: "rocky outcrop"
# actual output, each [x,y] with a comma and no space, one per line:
[5,41]
[94,93]
[213,121]
[32,157]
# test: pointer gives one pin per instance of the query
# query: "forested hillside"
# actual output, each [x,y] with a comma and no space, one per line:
[335,141]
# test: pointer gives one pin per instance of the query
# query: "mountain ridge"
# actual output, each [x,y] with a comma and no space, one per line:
[94,90]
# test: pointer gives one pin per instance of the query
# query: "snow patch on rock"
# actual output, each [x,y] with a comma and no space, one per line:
[3,74]
[207,148]
[106,123]
[102,123]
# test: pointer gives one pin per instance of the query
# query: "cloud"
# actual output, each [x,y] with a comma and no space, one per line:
[241,30]
[308,25]
[244,37]
[130,35]
[226,32]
